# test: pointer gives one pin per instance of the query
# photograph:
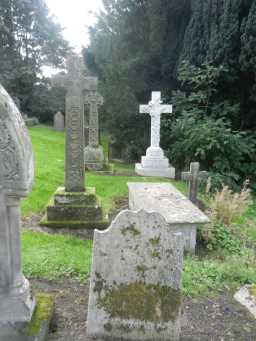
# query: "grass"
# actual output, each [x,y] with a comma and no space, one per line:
[57,256]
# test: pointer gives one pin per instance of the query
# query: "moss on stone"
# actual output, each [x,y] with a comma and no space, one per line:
[154,241]
[43,313]
[130,229]
[141,269]
[252,290]
[108,327]
[140,301]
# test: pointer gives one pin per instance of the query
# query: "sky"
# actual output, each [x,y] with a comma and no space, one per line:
[74,16]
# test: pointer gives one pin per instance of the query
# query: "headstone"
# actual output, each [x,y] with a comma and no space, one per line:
[94,154]
[59,122]
[135,280]
[179,213]
[155,163]
[194,177]
[73,206]
[17,304]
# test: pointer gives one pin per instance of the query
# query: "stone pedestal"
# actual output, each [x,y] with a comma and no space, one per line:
[75,210]
[94,158]
[155,164]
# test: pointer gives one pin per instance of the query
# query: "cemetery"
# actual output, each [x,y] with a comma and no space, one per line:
[121,220]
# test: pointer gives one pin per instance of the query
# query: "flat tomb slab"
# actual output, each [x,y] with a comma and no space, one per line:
[247,297]
[165,199]
[167,172]
[178,211]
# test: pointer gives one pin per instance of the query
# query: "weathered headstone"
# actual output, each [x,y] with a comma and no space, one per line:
[194,177]
[16,178]
[140,298]
[94,154]
[59,121]
[179,213]
[73,206]
[155,163]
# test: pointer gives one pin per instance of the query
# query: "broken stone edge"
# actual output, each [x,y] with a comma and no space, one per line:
[245,298]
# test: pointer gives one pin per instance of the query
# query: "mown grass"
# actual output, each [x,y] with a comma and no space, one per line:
[56,256]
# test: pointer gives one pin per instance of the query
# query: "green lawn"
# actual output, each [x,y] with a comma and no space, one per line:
[55,256]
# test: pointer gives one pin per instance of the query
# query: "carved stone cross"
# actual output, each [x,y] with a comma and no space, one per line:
[155,108]
[194,177]
[94,100]
[76,83]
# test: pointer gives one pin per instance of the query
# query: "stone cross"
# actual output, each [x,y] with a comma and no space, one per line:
[16,179]
[194,177]
[155,108]
[94,100]
[75,82]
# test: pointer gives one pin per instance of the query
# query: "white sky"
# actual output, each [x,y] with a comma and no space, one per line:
[74,16]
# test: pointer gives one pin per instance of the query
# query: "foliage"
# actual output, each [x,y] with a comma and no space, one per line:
[29,39]
[202,129]
[225,207]
[134,49]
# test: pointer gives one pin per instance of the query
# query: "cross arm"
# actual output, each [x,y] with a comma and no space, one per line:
[166,109]
[144,109]
[59,80]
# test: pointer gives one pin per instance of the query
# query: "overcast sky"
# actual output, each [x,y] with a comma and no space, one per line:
[74,16]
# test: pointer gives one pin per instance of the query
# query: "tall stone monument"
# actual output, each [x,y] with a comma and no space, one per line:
[59,121]
[74,206]
[155,163]
[17,304]
[140,298]
[94,154]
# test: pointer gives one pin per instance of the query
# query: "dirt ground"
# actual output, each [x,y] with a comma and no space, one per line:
[218,319]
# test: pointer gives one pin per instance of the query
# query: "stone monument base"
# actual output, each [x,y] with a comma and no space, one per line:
[94,158]
[155,164]
[35,330]
[75,210]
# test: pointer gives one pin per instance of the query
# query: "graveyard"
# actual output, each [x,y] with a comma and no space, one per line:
[127,170]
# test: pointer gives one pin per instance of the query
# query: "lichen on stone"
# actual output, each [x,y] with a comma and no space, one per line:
[43,312]
[130,229]
[140,301]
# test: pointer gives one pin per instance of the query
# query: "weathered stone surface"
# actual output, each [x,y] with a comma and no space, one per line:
[139,299]
[247,297]
[16,179]
[194,177]
[76,83]
[155,163]
[75,210]
[59,122]
[94,155]
[177,210]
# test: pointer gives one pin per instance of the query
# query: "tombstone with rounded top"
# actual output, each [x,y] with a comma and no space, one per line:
[59,121]
[136,279]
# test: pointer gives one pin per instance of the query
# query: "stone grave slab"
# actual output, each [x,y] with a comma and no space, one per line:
[155,163]
[17,304]
[136,279]
[247,297]
[178,211]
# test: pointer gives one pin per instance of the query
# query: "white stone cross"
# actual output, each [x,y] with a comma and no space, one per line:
[155,108]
